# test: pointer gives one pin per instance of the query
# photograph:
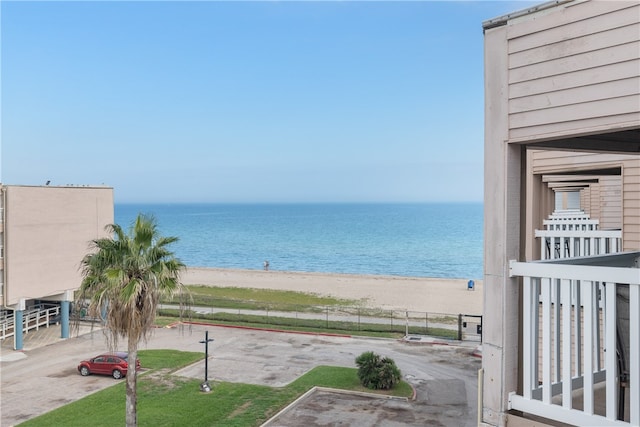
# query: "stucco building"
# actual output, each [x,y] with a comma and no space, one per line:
[44,233]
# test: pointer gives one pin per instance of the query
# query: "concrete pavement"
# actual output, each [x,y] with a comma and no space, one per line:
[444,376]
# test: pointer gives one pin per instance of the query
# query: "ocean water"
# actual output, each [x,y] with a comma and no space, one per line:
[415,240]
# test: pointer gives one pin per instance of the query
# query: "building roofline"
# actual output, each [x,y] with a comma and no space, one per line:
[98,186]
[504,19]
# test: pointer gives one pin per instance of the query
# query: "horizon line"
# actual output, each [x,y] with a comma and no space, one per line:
[409,202]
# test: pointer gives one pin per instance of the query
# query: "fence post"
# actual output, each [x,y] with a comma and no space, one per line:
[459,327]
[426,323]
[327,317]
[406,332]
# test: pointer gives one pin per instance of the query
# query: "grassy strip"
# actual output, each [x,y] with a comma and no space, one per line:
[310,325]
[299,302]
[170,360]
[291,301]
[260,299]
[167,400]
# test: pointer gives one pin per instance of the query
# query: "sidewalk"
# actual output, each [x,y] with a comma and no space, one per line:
[37,338]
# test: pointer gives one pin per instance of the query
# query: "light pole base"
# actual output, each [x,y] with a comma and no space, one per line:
[205,387]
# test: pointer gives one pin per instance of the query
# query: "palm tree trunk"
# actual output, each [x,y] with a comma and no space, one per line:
[132,376]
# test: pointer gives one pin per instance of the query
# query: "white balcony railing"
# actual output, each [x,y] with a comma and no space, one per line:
[571,233]
[581,357]
[556,244]
[570,220]
[33,318]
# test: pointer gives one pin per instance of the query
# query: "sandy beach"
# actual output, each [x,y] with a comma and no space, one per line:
[449,296]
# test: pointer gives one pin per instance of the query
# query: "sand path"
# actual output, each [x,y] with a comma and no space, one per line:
[449,296]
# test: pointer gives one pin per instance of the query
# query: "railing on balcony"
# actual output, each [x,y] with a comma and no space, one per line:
[572,233]
[589,351]
[570,219]
[558,244]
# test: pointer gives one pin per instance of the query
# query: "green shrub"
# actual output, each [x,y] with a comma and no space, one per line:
[376,372]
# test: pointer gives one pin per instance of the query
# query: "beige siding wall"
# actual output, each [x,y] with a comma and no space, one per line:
[550,161]
[574,72]
[585,199]
[610,202]
[614,200]
[594,201]
[561,71]
[631,205]
[596,211]
[47,232]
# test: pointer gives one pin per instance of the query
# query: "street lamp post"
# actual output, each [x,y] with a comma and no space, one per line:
[205,385]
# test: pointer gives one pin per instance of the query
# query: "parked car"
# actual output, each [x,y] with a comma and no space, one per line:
[114,364]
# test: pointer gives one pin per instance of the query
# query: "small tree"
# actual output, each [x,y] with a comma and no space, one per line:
[376,372]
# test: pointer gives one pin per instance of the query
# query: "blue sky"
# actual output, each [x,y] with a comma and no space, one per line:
[324,101]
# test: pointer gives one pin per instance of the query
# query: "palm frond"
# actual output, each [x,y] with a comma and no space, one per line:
[126,275]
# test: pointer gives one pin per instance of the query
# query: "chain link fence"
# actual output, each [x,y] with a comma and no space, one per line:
[335,318]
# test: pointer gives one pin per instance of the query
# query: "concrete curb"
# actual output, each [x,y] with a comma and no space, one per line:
[331,390]
[13,356]
[423,340]
[477,352]
[252,328]
[288,407]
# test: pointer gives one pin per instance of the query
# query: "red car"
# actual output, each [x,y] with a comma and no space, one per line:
[114,364]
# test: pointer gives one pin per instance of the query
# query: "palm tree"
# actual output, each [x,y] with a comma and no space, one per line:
[124,277]
[377,372]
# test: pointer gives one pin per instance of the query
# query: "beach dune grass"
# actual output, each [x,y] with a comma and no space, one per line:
[283,300]
[270,301]
[260,299]
[168,400]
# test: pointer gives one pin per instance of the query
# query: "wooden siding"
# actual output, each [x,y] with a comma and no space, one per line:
[614,200]
[552,72]
[575,71]
[631,205]
[585,200]
[554,161]
[610,202]
[595,201]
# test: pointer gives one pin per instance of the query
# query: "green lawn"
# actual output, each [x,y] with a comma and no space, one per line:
[168,400]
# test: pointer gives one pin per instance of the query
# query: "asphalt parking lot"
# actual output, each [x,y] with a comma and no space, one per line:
[44,377]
